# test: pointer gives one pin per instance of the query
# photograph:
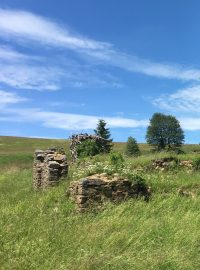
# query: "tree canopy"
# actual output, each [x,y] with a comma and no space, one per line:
[164,131]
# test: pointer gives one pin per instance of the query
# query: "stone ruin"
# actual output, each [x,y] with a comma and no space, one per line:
[94,191]
[77,139]
[49,168]
[186,163]
[188,192]
[165,163]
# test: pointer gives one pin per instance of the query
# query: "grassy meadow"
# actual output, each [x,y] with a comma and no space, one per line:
[41,230]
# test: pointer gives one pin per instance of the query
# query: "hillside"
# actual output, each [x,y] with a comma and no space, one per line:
[41,230]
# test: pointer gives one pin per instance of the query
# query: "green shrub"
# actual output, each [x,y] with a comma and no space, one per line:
[87,148]
[140,185]
[116,159]
[196,163]
[139,182]
[60,150]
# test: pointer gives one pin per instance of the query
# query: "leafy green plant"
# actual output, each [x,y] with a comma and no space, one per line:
[87,148]
[116,159]
[139,182]
[60,150]
[196,163]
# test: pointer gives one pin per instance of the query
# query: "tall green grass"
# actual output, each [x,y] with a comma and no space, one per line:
[41,230]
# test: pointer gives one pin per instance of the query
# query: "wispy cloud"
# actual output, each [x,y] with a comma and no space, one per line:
[8,54]
[65,103]
[133,63]
[7,98]
[150,68]
[24,76]
[79,122]
[189,123]
[67,121]
[19,70]
[183,100]
[24,26]
[33,72]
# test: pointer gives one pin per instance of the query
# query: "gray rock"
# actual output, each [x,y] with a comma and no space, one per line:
[53,164]
[92,192]
[47,169]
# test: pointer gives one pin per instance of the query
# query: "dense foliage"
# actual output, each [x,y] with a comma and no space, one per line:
[164,132]
[91,146]
[116,159]
[132,148]
[87,148]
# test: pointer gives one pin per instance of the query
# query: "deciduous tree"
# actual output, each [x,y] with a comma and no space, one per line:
[164,132]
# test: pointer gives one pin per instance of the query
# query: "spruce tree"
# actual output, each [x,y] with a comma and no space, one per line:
[102,131]
[132,148]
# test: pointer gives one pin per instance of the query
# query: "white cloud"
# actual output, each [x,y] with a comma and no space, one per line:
[68,121]
[25,76]
[185,100]
[19,70]
[24,26]
[135,64]
[8,54]
[31,72]
[79,122]
[66,104]
[75,122]
[9,98]
[189,123]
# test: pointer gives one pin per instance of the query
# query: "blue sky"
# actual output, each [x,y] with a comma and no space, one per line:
[66,64]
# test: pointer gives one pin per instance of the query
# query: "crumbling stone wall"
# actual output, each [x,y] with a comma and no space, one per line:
[94,191]
[48,168]
[164,163]
[167,162]
[77,139]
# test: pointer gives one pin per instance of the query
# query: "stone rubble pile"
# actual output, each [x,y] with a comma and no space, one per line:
[165,163]
[188,192]
[162,164]
[94,191]
[49,168]
[186,163]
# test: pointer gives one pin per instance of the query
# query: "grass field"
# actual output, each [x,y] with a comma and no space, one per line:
[41,230]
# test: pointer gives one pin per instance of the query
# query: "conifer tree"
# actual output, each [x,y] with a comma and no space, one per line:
[102,131]
[132,148]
